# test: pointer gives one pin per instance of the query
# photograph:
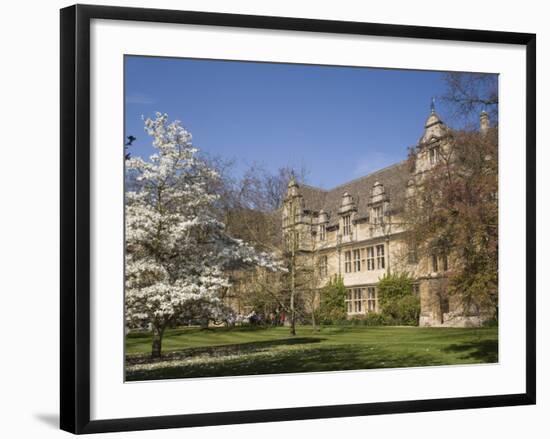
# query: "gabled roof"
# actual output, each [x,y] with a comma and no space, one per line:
[394,179]
[314,197]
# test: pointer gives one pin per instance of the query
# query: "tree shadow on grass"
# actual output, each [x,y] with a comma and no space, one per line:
[223,350]
[304,358]
[480,351]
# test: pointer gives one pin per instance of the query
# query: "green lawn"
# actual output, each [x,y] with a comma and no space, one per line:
[191,352]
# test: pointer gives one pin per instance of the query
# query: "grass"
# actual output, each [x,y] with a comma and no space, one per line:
[192,352]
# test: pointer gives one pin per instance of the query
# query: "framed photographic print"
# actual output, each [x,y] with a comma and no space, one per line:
[286,218]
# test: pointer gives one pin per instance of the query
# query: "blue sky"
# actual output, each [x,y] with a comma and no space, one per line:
[338,122]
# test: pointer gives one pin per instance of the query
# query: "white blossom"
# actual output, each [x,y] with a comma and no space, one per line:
[177,250]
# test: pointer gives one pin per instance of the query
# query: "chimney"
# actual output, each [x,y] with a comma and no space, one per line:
[483,122]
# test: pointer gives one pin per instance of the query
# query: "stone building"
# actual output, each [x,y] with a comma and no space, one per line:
[357,230]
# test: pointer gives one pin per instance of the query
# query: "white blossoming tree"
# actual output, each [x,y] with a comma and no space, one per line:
[177,252]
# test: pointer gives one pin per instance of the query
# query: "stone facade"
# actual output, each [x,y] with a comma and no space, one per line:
[357,230]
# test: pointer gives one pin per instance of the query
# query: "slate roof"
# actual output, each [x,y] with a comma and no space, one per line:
[314,198]
[394,178]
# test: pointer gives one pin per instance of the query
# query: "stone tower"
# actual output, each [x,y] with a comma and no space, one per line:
[296,221]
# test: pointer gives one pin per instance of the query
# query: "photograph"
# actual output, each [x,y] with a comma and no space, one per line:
[275,219]
[291,218]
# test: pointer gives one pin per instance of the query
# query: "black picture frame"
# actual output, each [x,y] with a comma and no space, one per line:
[75,218]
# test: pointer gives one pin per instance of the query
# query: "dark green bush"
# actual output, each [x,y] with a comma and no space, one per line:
[396,299]
[377,319]
[490,323]
[333,302]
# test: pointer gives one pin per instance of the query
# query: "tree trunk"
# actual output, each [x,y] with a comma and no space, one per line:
[157,342]
[292,293]
[292,316]
[313,321]
[294,248]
